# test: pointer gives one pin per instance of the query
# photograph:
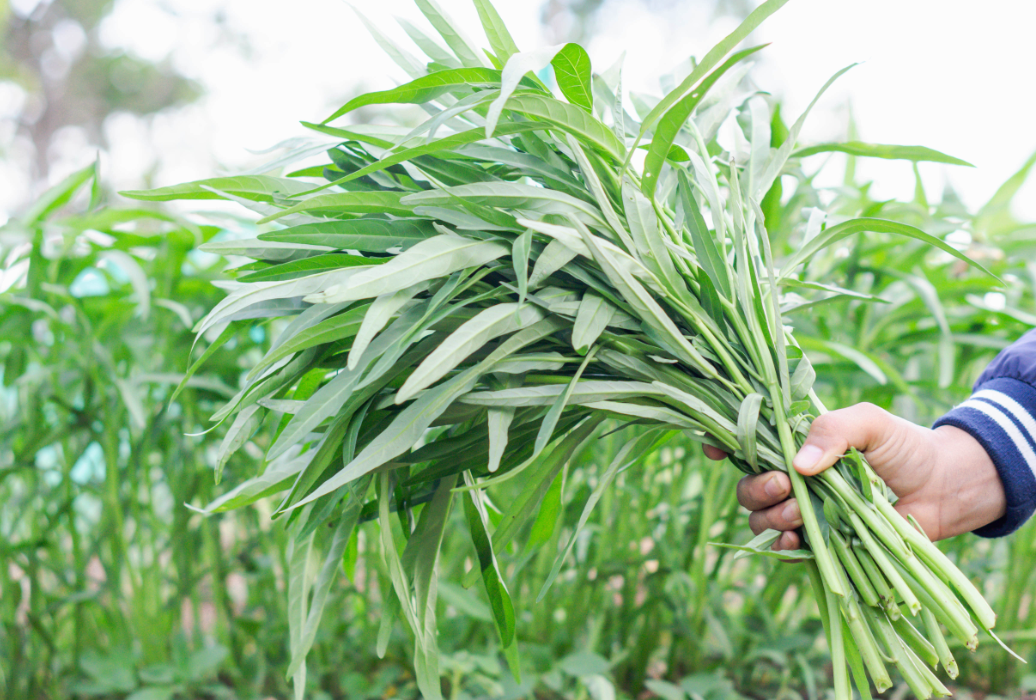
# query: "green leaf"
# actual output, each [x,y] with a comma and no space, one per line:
[511,195]
[250,294]
[646,308]
[550,511]
[425,652]
[592,318]
[404,60]
[424,89]
[429,259]
[587,391]
[410,424]
[298,596]
[278,477]
[496,589]
[571,119]
[338,327]
[347,203]
[365,235]
[853,226]
[776,164]
[573,73]
[450,33]
[420,559]
[709,256]
[714,56]
[348,518]
[670,123]
[520,263]
[491,323]
[381,311]
[537,480]
[308,266]
[917,154]
[256,188]
[550,421]
[517,66]
[857,357]
[553,258]
[764,550]
[651,246]
[448,143]
[240,430]
[498,420]
[496,31]
[802,379]
[224,336]
[747,425]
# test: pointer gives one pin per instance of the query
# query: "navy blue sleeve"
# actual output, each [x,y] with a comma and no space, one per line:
[1001,415]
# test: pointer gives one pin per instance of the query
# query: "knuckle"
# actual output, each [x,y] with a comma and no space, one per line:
[744,493]
[758,522]
[869,411]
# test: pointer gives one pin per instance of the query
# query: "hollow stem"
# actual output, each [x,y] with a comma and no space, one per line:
[916,641]
[884,563]
[877,579]
[938,640]
[872,656]
[966,634]
[939,562]
[855,571]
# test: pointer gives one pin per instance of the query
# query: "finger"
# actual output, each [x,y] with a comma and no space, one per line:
[862,426]
[714,452]
[787,541]
[783,516]
[763,490]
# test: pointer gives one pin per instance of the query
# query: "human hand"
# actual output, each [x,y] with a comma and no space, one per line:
[943,477]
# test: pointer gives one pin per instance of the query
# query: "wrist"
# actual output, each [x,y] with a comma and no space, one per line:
[972,493]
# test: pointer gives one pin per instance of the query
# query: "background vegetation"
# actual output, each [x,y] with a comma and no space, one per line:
[111,588]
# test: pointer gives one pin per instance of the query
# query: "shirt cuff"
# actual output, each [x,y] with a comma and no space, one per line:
[1001,415]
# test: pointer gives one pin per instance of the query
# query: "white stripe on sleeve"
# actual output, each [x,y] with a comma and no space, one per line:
[1016,409]
[1005,423]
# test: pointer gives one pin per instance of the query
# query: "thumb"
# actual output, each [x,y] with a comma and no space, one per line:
[863,426]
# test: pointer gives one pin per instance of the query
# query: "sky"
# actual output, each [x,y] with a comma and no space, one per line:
[947,74]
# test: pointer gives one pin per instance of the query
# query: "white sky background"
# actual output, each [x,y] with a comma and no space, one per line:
[947,74]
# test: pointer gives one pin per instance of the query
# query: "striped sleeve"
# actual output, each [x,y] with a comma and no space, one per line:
[1001,415]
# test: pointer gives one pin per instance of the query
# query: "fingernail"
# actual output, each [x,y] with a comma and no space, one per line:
[791,514]
[772,488]
[807,457]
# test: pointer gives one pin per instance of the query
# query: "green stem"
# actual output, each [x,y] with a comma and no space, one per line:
[855,571]
[867,512]
[861,632]
[965,633]
[938,561]
[884,563]
[839,668]
[798,483]
[935,635]
[876,578]
[916,641]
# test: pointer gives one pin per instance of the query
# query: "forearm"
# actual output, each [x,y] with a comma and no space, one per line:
[974,492]
[1000,417]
